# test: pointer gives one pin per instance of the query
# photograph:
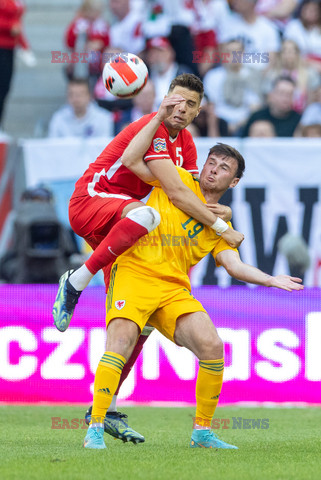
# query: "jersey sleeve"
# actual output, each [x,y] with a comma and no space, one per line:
[158,148]
[70,35]
[190,154]
[186,178]
[221,246]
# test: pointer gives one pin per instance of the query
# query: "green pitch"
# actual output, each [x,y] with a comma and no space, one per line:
[290,448]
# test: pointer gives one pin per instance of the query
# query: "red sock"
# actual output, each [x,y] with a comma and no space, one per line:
[132,359]
[122,236]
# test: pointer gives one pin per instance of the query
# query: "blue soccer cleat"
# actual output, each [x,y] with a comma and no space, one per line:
[65,303]
[116,426]
[208,439]
[94,438]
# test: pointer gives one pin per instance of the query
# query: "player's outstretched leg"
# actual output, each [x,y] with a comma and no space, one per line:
[94,438]
[115,424]
[65,303]
[208,439]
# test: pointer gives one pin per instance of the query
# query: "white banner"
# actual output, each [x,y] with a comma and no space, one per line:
[279,194]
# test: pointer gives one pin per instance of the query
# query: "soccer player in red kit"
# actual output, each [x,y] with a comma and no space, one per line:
[105,209]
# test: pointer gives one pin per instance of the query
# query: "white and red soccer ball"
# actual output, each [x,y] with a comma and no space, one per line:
[125,75]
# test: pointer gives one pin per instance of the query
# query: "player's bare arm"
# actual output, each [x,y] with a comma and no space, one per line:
[247,273]
[222,211]
[184,199]
[133,155]
[164,170]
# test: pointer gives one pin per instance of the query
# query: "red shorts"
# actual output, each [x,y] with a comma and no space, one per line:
[93,217]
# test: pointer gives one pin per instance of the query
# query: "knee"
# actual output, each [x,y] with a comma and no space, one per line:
[122,344]
[122,337]
[145,216]
[212,348]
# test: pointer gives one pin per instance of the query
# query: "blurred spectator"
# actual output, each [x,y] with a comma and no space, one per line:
[312,131]
[290,63]
[228,87]
[120,107]
[41,248]
[80,117]
[88,32]
[11,36]
[207,124]
[279,109]
[173,19]
[312,114]
[144,102]
[279,11]
[205,28]
[161,61]
[259,35]
[296,251]
[126,30]
[262,129]
[306,31]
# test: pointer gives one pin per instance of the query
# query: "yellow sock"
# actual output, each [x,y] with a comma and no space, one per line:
[208,389]
[106,381]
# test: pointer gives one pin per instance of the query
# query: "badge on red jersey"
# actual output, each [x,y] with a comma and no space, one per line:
[119,304]
[159,145]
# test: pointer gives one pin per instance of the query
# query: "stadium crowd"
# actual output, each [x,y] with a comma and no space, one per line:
[240,49]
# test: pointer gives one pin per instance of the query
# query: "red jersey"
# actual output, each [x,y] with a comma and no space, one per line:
[107,176]
[95,30]
[11,12]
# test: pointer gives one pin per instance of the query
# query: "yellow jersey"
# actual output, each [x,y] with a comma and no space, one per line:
[178,243]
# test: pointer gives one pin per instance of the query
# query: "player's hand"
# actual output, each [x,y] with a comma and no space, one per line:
[285,282]
[94,45]
[16,30]
[167,106]
[233,237]
[222,211]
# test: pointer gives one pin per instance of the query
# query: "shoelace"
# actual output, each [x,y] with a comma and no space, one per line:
[96,433]
[209,435]
[111,414]
[117,414]
[71,299]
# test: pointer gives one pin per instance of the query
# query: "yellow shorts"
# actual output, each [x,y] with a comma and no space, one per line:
[145,299]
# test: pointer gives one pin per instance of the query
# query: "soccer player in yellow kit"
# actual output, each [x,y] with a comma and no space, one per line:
[149,283]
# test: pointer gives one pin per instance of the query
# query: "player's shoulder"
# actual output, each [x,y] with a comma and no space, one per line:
[188,178]
[134,127]
[142,121]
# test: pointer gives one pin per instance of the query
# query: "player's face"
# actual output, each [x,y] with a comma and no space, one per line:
[185,112]
[219,173]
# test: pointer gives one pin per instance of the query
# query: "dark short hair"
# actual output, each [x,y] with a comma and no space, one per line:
[189,81]
[79,81]
[223,150]
[283,78]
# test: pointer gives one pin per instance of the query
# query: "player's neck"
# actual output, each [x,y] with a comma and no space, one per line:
[172,131]
[210,196]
